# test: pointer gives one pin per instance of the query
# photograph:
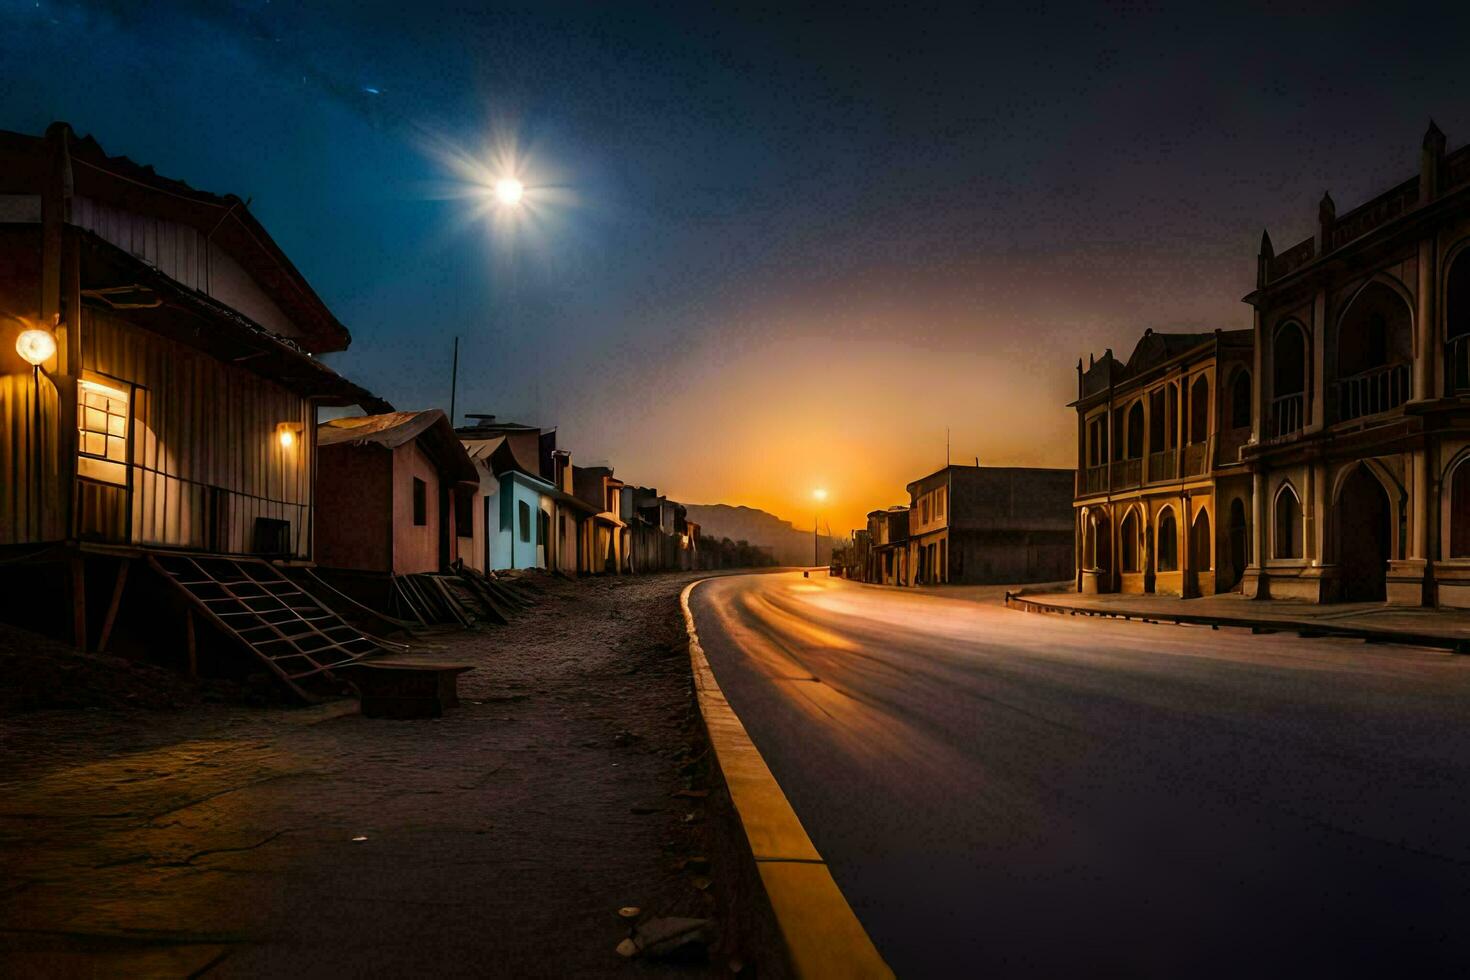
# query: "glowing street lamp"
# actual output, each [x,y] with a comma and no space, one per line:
[35,346]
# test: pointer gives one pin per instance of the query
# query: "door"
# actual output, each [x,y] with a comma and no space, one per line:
[1364,534]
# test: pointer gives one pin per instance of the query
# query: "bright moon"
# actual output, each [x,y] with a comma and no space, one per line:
[509,190]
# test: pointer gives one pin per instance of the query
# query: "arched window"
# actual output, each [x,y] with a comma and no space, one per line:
[1240,400]
[1460,512]
[1457,323]
[1287,529]
[1128,542]
[1288,379]
[1199,410]
[1374,348]
[1167,559]
[1135,431]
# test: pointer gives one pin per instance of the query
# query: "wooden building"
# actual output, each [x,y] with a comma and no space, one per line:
[396,494]
[172,404]
[1361,425]
[1162,500]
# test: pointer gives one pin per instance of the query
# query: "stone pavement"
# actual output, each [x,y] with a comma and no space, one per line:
[1444,628]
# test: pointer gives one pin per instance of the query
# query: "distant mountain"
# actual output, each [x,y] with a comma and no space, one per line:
[789,545]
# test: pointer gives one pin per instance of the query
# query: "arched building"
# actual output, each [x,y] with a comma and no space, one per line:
[1162,500]
[1361,408]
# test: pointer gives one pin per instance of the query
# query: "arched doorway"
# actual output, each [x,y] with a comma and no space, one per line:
[1237,547]
[1201,550]
[1364,536]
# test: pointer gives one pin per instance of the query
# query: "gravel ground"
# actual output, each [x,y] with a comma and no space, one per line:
[500,840]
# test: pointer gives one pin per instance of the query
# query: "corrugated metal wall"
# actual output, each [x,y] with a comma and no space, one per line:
[29,500]
[206,459]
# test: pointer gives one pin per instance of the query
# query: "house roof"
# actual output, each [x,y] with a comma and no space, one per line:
[1153,350]
[225,220]
[391,430]
[126,286]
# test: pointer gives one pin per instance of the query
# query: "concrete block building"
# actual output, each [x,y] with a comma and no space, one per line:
[990,524]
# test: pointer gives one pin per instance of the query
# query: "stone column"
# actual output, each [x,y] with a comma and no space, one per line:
[1255,582]
[1316,398]
[1426,334]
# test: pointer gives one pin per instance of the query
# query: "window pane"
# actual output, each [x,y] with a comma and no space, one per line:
[95,420]
[117,425]
[94,444]
[117,449]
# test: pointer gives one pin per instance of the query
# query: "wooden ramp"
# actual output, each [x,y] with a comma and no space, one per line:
[296,636]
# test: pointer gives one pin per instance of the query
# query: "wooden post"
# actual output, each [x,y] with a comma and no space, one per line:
[189,645]
[112,607]
[78,603]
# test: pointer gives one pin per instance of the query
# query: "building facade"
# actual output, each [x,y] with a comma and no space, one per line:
[888,546]
[1163,501]
[1361,428]
[990,524]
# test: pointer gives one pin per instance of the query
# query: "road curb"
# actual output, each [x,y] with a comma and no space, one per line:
[1305,628]
[823,936]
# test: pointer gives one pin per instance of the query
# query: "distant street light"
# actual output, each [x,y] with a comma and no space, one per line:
[819,495]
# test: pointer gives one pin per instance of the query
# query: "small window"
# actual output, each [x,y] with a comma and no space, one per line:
[102,436]
[524,514]
[939,502]
[420,502]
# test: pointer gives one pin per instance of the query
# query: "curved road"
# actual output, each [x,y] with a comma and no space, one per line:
[1004,794]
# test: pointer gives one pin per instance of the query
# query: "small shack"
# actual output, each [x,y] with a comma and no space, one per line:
[395,496]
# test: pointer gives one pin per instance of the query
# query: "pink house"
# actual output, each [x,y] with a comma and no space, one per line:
[395,492]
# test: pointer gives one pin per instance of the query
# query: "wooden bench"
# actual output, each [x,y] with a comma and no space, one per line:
[395,689]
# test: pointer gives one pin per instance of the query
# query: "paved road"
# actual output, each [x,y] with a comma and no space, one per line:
[1047,796]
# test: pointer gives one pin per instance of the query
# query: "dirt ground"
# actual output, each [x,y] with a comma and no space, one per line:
[500,840]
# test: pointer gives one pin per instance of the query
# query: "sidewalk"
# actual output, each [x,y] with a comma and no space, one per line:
[500,840]
[1447,629]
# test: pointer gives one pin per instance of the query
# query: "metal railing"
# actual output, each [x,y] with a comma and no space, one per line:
[1287,414]
[1373,391]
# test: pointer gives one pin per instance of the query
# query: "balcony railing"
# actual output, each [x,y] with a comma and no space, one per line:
[1095,479]
[1196,458]
[1127,473]
[1286,414]
[1373,391]
[1457,363]
[1163,465]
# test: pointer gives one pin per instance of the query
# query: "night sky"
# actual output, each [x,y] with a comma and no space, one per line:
[766,250]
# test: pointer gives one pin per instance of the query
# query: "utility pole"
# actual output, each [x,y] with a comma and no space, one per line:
[816,519]
[453,381]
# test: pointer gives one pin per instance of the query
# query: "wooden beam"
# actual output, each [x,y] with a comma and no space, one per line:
[112,607]
[78,602]
[190,648]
